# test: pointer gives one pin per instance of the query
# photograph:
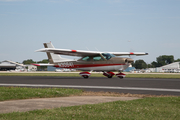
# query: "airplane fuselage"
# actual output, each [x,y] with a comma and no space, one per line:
[113,64]
[90,60]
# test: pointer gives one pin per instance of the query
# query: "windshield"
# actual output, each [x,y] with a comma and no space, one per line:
[108,55]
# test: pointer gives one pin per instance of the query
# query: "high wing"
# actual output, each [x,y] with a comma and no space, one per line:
[81,53]
[128,53]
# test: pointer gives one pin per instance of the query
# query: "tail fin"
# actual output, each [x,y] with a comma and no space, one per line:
[53,58]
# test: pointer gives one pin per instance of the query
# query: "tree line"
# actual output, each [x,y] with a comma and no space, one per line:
[30,61]
[160,61]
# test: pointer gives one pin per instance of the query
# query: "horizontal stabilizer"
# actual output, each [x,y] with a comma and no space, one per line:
[42,64]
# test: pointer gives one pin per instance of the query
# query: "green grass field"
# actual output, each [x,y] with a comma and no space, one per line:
[15,93]
[151,75]
[155,108]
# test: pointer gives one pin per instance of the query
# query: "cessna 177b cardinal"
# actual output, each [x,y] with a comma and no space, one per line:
[89,61]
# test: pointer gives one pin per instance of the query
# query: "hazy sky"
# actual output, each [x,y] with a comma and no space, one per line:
[151,26]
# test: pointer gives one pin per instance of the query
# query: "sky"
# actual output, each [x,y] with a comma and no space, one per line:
[151,26]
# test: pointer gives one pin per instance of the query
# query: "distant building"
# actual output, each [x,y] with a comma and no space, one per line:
[173,67]
[10,65]
[31,68]
[51,68]
[129,69]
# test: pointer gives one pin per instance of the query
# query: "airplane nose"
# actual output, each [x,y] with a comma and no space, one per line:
[129,60]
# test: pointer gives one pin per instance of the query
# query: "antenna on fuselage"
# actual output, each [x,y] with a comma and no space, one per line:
[96,49]
[87,48]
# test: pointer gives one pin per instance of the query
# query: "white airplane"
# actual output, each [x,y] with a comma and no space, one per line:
[89,61]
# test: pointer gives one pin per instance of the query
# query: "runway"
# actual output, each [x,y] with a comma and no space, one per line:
[126,85]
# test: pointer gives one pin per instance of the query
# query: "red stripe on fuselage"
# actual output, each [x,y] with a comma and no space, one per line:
[88,65]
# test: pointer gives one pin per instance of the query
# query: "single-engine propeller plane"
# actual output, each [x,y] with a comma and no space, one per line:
[89,61]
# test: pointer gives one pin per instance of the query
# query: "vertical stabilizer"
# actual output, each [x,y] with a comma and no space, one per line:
[53,58]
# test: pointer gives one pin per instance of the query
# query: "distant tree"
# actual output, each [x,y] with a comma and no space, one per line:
[44,61]
[178,60]
[154,64]
[43,68]
[140,64]
[164,60]
[28,61]
[149,66]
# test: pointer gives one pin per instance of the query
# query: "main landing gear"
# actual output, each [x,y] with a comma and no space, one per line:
[121,75]
[111,74]
[107,74]
[85,74]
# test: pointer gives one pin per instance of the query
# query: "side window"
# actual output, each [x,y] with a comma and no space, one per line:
[87,58]
[97,58]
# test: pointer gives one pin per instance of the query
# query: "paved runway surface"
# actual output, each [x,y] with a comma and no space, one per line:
[126,85]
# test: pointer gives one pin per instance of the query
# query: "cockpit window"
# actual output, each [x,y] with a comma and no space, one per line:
[108,55]
[87,58]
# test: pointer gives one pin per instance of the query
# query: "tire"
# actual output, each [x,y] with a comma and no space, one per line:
[86,77]
[121,77]
[109,76]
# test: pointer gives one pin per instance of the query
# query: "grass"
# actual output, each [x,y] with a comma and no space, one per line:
[154,108]
[14,93]
[151,75]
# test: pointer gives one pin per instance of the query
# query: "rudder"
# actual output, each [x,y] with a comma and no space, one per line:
[53,58]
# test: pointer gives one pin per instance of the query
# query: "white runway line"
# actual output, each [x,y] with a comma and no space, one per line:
[96,87]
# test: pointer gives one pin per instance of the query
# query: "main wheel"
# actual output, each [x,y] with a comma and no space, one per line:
[86,77]
[109,76]
[121,77]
